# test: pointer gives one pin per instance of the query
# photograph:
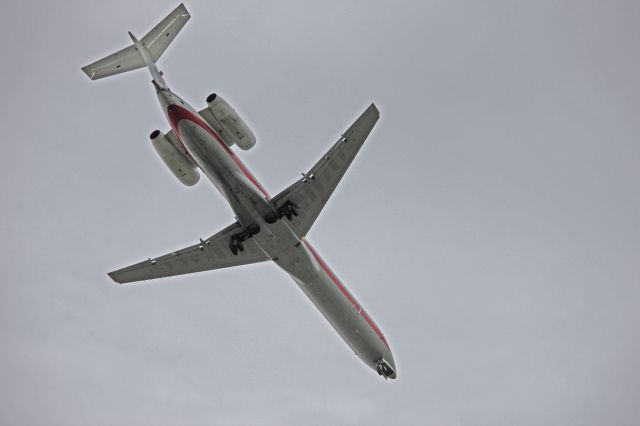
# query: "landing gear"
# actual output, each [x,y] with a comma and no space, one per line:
[288,210]
[271,217]
[384,369]
[235,244]
[252,229]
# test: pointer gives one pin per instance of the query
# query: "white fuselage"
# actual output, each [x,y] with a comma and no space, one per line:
[293,253]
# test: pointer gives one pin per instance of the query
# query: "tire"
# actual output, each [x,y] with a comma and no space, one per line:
[253,229]
[271,217]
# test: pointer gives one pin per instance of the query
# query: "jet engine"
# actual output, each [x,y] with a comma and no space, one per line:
[178,162]
[235,130]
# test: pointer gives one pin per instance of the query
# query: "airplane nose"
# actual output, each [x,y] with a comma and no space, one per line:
[386,368]
[392,363]
[394,372]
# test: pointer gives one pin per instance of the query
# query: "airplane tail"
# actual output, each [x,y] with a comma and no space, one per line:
[144,52]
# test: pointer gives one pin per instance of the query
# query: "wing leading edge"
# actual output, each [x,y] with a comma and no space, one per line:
[311,193]
[212,253]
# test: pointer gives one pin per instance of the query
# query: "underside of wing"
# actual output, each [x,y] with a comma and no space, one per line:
[310,194]
[212,253]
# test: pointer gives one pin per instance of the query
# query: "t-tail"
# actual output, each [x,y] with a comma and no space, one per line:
[143,52]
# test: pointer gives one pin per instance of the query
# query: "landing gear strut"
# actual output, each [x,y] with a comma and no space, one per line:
[288,210]
[235,244]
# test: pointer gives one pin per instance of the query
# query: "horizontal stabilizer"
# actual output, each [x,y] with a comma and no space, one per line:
[156,41]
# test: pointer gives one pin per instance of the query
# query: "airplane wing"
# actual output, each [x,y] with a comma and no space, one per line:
[212,253]
[312,192]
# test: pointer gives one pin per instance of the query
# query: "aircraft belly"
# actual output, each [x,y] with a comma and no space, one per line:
[223,172]
[345,318]
[206,154]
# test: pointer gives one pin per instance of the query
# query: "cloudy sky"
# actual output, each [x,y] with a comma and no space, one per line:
[490,225]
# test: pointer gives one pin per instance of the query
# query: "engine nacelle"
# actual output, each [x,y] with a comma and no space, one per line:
[180,165]
[234,127]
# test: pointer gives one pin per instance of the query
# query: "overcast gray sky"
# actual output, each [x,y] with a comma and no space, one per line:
[490,225]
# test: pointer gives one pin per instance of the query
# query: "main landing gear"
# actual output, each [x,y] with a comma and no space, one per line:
[288,210]
[235,244]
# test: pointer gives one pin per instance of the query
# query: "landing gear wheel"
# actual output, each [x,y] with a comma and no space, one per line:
[271,217]
[235,246]
[292,210]
[289,210]
[235,242]
[253,229]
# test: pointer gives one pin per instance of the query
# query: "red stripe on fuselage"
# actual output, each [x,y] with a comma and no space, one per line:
[177,113]
[346,293]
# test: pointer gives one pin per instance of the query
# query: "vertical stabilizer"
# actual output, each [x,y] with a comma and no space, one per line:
[148,60]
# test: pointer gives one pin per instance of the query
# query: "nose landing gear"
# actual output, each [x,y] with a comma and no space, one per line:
[384,369]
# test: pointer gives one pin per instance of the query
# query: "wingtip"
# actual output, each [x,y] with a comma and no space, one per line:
[88,71]
[111,275]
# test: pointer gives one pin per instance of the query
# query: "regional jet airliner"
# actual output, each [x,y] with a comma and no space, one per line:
[267,228]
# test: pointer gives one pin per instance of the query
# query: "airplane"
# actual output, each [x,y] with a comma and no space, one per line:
[266,228]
